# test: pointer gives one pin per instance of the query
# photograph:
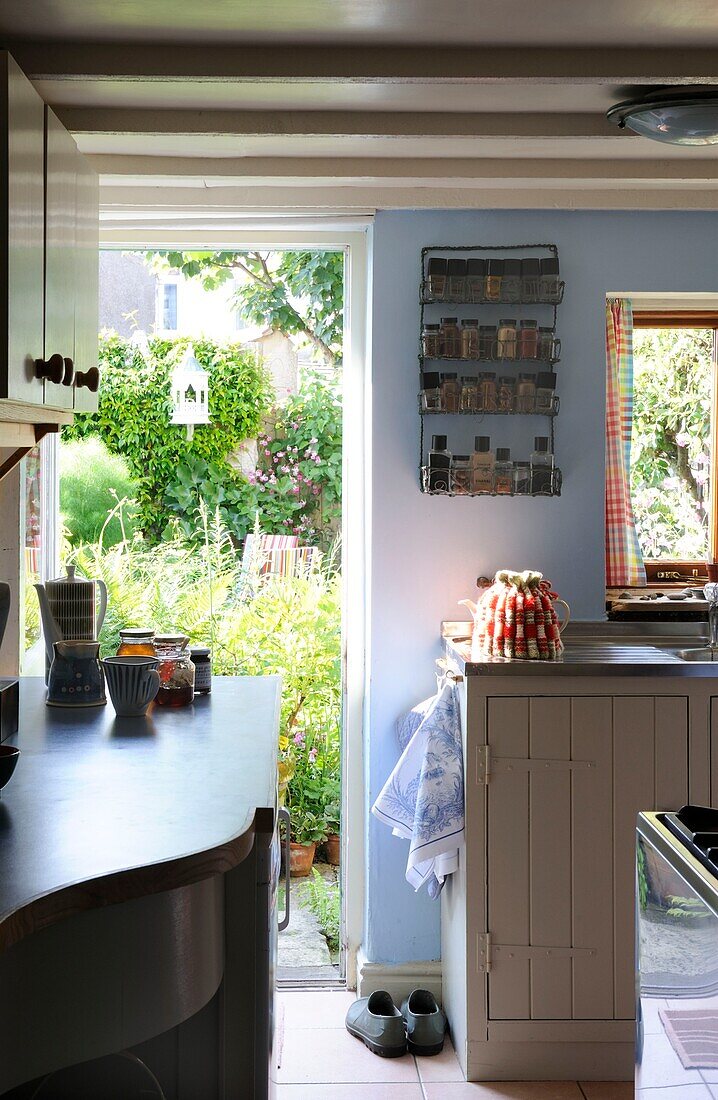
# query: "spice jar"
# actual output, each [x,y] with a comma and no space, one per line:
[431,391]
[506,394]
[528,340]
[176,671]
[202,661]
[506,338]
[492,285]
[522,478]
[450,392]
[487,341]
[545,392]
[456,280]
[511,281]
[450,338]
[431,341]
[461,474]
[526,393]
[549,283]
[475,280]
[503,472]
[530,273]
[470,338]
[136,643]
[469,399]
[487,392]
[545,344]
[436,278]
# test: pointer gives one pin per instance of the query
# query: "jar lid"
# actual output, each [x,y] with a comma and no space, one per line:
[468,378]
[200,651]
[527,378]
[506,380]
[432,327]
[529,266]
[472,321]
[529,323]
[135,634]
[180,640]
[475,266]
[437,265]
[512,267]
[507,320]
[448,320]
[503,454]
[456,267]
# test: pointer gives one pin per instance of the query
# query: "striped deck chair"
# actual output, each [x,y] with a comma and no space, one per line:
[278,554]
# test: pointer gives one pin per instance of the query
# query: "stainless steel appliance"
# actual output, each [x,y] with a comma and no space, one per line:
[677,953]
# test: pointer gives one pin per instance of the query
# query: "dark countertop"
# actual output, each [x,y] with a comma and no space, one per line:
[101,809]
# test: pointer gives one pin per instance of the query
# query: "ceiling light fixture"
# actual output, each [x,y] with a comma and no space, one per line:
[677,116]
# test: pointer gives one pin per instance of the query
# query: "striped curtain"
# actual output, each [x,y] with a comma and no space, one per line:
[624,561]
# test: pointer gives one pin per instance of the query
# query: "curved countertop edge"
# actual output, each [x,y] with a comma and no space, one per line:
[131,883]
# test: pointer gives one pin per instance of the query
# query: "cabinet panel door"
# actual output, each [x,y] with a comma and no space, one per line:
[60,251]
[87,279]
[22,212]
[567,779]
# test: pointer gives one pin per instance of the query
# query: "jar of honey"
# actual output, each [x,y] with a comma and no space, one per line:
[136,643]
[176,671]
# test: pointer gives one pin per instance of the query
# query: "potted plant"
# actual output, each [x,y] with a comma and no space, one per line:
[307,831]
[332,845]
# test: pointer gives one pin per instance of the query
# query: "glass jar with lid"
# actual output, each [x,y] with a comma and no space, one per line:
[469,397]
[450,338]
[511,281]
[492,283]
[506,394]
[546,341]
[475,279]
[470,338]
[506,338]
[528,339]
[450,392]
[487,392]
[455,280]
[136,642]
[431,341]
[487,342]
[461,474]
[176,670]
[526,393]
[530,275]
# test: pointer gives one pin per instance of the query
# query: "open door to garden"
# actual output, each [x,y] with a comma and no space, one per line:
[225,524]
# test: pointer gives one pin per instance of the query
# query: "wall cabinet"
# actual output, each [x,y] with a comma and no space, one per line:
[49,203]
[538,927]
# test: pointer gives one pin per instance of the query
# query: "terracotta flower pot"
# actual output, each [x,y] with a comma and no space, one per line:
[332,849]
[301,858]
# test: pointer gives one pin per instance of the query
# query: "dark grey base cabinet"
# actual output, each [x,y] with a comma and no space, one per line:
[538,925]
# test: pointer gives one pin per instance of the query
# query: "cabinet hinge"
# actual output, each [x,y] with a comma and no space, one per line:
[483,763]
[484,959]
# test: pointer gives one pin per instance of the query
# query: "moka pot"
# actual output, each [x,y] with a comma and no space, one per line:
[69,610]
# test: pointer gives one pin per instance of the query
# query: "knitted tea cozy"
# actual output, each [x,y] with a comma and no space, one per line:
[516,618]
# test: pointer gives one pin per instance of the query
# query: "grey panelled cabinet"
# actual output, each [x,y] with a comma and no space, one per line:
[537,926]
[48,304]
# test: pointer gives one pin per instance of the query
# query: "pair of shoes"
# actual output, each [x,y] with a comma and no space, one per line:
[418,1028]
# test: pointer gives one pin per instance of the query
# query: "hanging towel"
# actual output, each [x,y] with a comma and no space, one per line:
[423,798]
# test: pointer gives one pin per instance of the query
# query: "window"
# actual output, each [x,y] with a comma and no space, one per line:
[673,452]
[169,307]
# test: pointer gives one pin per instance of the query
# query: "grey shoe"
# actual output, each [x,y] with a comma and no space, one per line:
[425,1023]
[378,1023]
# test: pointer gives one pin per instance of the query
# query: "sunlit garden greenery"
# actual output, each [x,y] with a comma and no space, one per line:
[670,446]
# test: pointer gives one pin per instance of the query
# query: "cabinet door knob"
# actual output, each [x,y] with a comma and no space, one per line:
[68,376]
[52,369]
[90,379]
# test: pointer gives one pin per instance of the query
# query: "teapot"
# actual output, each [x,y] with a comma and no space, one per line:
[68,609]
[76,677]
[515,618]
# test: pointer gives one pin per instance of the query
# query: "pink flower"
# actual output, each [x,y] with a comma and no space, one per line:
[296,490]
[313,753]
[315,491]
[682,439]
[299,738]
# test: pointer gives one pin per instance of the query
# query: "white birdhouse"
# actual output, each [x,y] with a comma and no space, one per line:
[190,393]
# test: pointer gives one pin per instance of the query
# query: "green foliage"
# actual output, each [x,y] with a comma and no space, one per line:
[687,910]
[670,444]
[323,900]
[91,482]
[134,414]
[642,876]
[298,293]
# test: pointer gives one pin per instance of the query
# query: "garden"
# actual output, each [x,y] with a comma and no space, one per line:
[163,521]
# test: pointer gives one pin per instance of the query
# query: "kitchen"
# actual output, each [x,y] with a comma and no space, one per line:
[628,222]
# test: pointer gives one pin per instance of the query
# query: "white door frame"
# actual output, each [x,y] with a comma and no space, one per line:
[356,244]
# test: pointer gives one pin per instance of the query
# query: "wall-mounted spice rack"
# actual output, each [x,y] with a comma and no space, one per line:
[489,276]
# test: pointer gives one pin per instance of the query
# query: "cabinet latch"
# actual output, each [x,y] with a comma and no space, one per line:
[484,960]
[483,763]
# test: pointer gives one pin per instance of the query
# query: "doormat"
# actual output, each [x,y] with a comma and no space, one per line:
[693,1033]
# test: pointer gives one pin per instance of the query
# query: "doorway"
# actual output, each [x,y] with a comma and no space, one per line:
[324,559]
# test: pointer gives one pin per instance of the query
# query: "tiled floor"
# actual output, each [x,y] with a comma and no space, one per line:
[319,1060]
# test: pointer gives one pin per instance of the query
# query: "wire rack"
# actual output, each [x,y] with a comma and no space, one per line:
[425,301]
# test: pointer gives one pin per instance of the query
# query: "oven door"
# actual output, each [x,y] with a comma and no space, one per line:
[677,973]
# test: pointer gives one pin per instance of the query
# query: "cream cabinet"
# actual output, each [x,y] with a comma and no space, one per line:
[538,925]
[49,201]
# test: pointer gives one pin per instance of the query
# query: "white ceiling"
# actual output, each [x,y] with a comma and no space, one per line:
[364,103]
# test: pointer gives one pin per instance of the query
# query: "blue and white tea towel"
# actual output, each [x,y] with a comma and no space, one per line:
[423,799]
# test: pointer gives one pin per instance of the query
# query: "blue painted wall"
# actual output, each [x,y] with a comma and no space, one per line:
[426,552]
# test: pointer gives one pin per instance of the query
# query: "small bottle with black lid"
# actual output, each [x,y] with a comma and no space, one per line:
[542,467]
[202,661]
[439,465]
[549,282]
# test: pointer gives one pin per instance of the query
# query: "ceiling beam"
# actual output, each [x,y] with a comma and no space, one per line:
[364,64]
[325,170]
[118,120]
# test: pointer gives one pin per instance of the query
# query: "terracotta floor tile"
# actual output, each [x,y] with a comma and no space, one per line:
[504,1090]
[607,1090]
[326,1008]
[440,1067]
[349,1092]
[333,1056]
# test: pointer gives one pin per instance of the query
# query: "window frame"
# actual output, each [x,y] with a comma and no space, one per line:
[662,571]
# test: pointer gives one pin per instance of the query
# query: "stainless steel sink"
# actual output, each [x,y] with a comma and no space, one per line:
[696,655]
